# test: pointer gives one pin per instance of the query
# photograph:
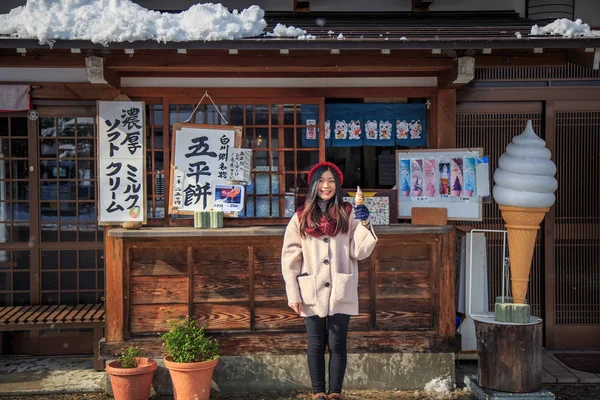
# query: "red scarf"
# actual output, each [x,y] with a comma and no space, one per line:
[327,223]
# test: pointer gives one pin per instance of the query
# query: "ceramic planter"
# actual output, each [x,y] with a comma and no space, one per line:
[191,381]
[131,383]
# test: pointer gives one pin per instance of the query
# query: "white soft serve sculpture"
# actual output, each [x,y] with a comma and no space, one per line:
[524,190]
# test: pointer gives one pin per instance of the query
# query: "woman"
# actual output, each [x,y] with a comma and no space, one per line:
[322,244]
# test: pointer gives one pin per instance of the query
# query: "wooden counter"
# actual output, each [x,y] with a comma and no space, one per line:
[230,279]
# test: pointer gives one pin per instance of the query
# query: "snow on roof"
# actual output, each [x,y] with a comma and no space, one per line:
[281,30]
[106,21]
[565,28]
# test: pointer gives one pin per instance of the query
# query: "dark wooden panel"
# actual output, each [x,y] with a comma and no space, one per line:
[269,287]
[227,287]
[404,285]
[262,343]
[267,260]
[152,318]
[220,260]
[395,258]
[222,317]
[276,316]
[162,260]
[158,290]
[362,321]
[404,314]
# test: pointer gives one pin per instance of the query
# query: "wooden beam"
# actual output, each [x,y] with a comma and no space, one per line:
[97,73]
[67,91]
[531,94]
[262,343]
[462,73]
[263,63]
[234,94]
[301,5]
[531,60]
[421,5]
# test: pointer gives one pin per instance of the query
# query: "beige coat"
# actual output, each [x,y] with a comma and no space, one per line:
[322,273]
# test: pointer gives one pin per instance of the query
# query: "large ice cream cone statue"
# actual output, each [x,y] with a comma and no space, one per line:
[524,191]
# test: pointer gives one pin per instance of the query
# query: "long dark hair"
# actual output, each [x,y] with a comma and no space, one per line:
[311,215]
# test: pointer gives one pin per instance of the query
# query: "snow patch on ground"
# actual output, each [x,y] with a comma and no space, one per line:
[440,387]
[106,21]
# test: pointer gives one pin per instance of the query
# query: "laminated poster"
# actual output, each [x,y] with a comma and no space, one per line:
[430,181]
[228,198]
[469,176]
[456,177]
[404,177]
[416,169]
[444,168]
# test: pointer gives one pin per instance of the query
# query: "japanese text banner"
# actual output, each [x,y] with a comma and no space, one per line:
[121,161]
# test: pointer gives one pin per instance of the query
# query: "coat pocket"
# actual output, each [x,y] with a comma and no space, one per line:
[307,289]
[345,288]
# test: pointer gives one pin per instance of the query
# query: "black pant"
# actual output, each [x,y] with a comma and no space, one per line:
[332,330]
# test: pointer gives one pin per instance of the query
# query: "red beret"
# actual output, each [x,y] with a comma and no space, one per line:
[332,166]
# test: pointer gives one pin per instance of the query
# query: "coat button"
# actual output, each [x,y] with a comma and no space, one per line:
[326,240]
[326,261]
[326,284]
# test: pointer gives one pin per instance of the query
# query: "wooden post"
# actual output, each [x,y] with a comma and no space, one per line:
[510,355]
[443,120]
[114,290]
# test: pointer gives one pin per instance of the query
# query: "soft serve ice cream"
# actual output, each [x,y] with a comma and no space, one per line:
[525,173]
[524,191]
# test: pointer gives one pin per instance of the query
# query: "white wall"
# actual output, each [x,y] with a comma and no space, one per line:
[588,11]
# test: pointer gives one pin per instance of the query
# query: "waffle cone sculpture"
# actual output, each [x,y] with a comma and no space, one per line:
[522,224]
[524,191]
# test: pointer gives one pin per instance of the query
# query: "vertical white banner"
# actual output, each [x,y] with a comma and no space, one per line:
[121,161]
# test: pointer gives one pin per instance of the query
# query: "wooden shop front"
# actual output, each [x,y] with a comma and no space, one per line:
[230,280]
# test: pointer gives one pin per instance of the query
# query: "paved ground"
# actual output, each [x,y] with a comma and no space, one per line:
[350,395]
[562,392]
[77,376]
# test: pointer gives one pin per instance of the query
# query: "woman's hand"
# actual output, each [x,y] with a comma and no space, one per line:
[296,307]
[361,212]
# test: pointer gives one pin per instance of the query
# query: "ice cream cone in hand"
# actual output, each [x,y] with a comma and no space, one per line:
[359,197]
[524,191]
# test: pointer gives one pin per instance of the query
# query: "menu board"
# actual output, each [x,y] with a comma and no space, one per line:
[440,178]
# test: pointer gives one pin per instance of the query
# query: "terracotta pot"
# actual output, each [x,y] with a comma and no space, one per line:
[131,383]
[191,381]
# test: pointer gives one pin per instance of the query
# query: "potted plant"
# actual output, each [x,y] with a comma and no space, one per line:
[131,375]
[191,358]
